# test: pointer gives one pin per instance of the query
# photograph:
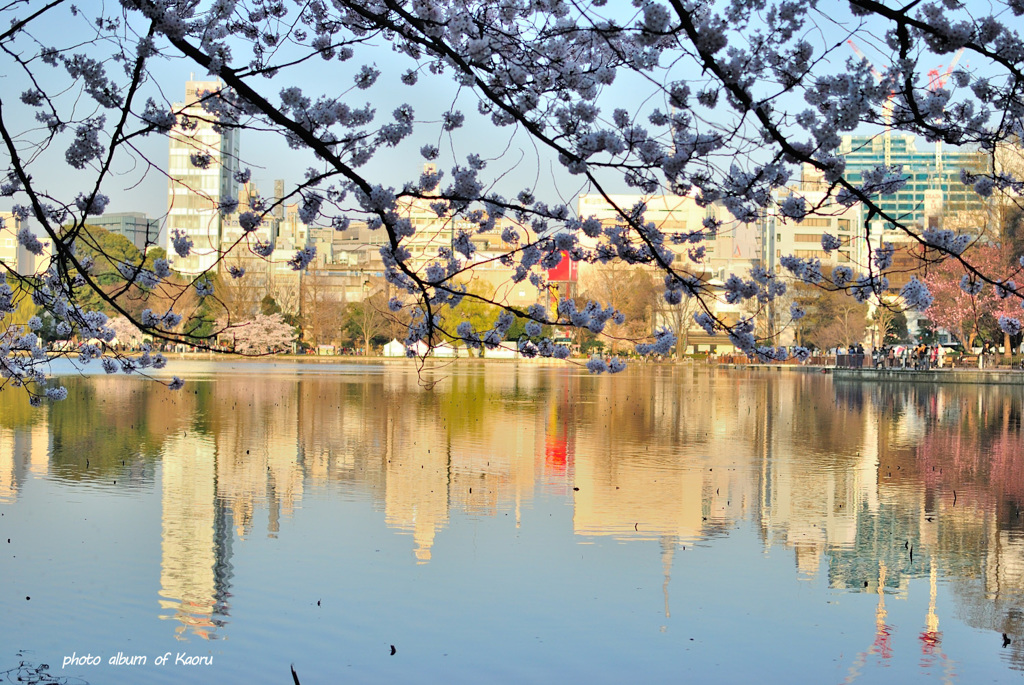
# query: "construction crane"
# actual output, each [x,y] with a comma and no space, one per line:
[886,108]
[935,82]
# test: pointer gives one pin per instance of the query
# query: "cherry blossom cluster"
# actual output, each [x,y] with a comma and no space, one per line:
[916,295]
[739,95]
[1010,325]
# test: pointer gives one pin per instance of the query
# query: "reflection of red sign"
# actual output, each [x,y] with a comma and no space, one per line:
[565,271]
[556,453]
[930,641]
[883,641]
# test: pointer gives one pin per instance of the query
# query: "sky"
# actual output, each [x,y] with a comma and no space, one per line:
[139,185]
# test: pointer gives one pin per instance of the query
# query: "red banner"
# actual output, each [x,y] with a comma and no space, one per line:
[565,272]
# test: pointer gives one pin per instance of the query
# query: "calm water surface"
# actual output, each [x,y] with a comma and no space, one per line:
[512,524]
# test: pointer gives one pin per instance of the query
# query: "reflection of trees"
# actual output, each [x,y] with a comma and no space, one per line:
[981,535]
[979,449]
[118,424]
[993,600]
[856,475]
[951,484]
[16,412]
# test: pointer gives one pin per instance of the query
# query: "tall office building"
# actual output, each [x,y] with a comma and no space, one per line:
[781,236]
[733,246]
[9,246]
[196,190]
[933,186]
[135,226]
[14,255]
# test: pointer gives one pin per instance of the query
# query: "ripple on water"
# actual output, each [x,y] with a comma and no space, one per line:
[529,524]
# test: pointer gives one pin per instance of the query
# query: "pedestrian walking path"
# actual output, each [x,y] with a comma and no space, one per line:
[959,375]
[974,376]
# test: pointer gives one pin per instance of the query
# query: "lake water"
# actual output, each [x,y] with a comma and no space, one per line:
[510,523]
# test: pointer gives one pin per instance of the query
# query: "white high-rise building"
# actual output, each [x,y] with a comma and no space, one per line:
[9,245]
[14,255]
[195,193]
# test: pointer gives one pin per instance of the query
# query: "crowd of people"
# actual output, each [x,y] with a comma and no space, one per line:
[920,357]
[917,357]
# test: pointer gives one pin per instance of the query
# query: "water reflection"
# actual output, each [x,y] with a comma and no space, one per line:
[868,485]
[195,569]
[950,483]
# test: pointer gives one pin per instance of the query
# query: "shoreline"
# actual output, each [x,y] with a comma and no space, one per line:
[968,376]
[965,376]
[354,359]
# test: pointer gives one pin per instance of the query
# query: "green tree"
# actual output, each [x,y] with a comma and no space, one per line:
[927,332]
[269,306]
[481,314]
[366,323]
[112,256]
[153,254]
[109,253]
[832,318]
[25,310]
[898,331]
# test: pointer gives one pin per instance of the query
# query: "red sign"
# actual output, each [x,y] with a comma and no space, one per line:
[565,272]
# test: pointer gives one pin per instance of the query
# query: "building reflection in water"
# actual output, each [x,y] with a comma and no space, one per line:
[195,570]
[24,451]
[24,443]
[236,454]
[872,485]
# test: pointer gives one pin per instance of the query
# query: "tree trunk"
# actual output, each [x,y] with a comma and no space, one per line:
[682,343]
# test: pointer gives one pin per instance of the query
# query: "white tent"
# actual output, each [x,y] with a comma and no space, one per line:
[445,350]
[394,349]
[502,352]
[397,349]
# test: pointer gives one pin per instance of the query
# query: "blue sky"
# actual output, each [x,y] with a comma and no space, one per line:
[516,163]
